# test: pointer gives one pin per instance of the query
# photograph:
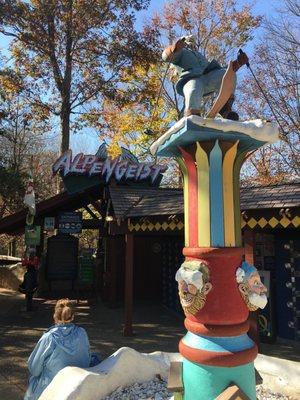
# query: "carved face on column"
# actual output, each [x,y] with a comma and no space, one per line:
[193,285]
[251,287]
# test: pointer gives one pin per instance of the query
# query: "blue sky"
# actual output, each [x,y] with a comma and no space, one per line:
[89,141]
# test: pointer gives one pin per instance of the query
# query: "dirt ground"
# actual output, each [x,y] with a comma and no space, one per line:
[154,327]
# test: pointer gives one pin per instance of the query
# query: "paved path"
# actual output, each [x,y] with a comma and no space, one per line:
[155,329]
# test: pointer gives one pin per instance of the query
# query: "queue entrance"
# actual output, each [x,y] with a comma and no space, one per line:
[61,259]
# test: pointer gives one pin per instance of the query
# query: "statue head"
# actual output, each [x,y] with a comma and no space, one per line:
[190,42]
[193,285]
[251,287]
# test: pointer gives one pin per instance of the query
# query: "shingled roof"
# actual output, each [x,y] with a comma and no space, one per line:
[271,196]
[131,202]
[128,201]
[138,202]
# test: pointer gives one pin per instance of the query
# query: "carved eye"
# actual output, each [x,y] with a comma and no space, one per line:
[182,284]
[192,289]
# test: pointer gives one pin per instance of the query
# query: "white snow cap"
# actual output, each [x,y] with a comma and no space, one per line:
[256,129]
[189,275]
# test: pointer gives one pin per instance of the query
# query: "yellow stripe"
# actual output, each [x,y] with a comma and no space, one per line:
[236,197]
[228,195]
[186,199]
[203,197]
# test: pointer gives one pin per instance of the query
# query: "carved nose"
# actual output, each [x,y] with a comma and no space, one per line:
[264,289]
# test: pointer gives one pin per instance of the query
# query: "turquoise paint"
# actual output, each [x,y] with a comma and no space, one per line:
[216,197]
[219,344]
[203,382]
[191,133]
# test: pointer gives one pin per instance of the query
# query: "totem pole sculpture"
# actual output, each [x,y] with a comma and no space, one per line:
[216,287]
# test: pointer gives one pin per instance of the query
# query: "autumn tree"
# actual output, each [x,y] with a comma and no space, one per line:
[276,65]
[220,28]
[72,51]
[23,145]
[125,124]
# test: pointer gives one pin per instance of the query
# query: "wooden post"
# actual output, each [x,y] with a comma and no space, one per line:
[127,331]
[113,265]
[249,244]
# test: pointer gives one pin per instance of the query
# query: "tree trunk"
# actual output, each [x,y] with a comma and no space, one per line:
[66,84]
[65,125]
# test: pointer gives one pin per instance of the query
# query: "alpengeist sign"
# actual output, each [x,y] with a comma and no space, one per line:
[120,169]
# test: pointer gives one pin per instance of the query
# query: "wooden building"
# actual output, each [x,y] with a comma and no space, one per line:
[141,239]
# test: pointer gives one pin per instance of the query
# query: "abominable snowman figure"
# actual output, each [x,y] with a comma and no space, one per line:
[199,77]
[193,284]
[251,287]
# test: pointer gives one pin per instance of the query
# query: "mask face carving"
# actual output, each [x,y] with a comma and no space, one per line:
[251,287]
[193,285]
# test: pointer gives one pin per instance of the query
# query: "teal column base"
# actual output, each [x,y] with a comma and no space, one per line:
[202,382]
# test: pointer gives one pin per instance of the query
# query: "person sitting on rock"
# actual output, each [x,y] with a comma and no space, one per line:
[199,77]
[64,344]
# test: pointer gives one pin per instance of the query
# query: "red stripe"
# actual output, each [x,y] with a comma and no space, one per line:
[218,359]
[213,252]
[193,196]
[216,330]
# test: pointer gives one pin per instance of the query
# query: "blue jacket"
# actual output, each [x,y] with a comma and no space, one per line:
[61,346]
[190,64]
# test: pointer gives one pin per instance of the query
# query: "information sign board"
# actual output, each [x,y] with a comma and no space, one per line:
[70,222]
[32,235]
[49,223]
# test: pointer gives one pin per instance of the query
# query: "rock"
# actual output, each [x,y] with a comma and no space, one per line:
[157,390]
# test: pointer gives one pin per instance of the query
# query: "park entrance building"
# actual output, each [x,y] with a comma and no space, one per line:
[140,227]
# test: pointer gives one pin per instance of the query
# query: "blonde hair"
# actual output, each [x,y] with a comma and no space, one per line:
[63,312]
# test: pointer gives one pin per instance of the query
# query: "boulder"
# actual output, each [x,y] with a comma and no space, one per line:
[123,368]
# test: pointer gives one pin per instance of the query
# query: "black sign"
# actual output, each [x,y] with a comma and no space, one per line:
[62,258]
[70,222]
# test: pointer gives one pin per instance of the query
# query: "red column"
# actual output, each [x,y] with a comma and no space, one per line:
[225,312]
[224,304]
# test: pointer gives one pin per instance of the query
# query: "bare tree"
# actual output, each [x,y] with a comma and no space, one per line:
[23,146]
[276,65]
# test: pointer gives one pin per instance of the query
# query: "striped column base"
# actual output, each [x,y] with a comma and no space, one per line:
[220,352]
[202,382]
[214,357]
